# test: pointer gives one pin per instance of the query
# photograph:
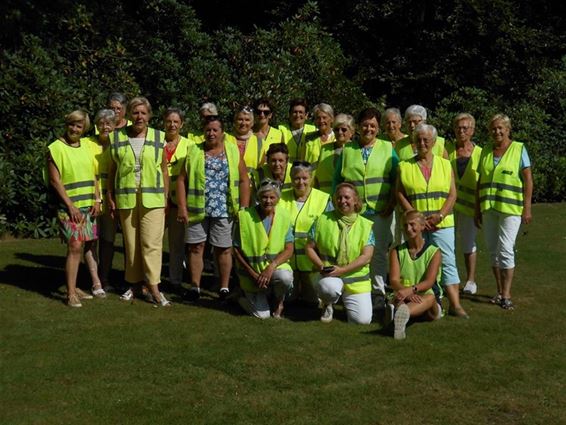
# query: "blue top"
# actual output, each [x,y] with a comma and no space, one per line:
[216,186]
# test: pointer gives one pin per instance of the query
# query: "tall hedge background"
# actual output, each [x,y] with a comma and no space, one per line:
[477,56]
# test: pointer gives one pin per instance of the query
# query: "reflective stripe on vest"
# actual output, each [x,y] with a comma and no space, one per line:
[371,180]
[466,186]
[327,244]
[500,186]
[77,171]
[194,166]
[151,185]
[258,247]
[294,143]
[428,197]
[324,175]
[302,222]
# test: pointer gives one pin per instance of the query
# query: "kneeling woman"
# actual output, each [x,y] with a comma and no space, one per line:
[263,245]
[413,275]
[340,246]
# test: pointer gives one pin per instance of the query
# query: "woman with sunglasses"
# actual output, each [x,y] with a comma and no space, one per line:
[304,204]
[370,164]
[340,245]
[323,119]
[344,130]
[263,245]
[265,133]
[211,189]
[276,168]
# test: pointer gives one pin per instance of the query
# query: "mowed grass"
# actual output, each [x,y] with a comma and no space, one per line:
[119,363]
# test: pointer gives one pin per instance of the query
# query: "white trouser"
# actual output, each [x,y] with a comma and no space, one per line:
[257,303]
[358,306]
[500,231]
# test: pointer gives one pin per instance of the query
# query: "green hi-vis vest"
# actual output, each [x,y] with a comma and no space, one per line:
[428,198]
[264,172]
[254,154]
[77,170]
[371,180]
[414,271]
[294,143]
[258,247]
[151,184]
[196,137]
[405,149]
[310,151]
[501,187]
[175,165]
[194,166]
[324,174]
[327,244]
[467,184]
[302,222]
[102,160]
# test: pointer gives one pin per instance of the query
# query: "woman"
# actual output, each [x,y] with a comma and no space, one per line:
[391,122]
[330,152]
[370,165]
[505,190]
[426,183]
[118,103]
[323,119]
[464,156]
[175,153]
[107,224]
[265,133]
[294,134]
[263,246]
[304,204]
[211,189]
[340,246]
[207,109]
[415,115]
[276,168]
[138,186]
[252,149]
[413,275]
[72,176]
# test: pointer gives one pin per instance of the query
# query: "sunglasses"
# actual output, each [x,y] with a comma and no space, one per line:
[264,112]
[341,129]
[269,182]
[247,110]
[210,118]
[301,164]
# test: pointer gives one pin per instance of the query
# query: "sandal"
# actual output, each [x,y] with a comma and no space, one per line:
[496,299]
[163,302]
[98,292]
[507,304]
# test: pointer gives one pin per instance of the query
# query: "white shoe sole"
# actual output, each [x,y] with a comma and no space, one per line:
[402,316]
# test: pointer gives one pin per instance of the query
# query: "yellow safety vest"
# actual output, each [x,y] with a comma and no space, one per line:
[501,187]
[254,154]
[310,151]
[467,184]
[302,222]
[327,244]
[413,271]
[292,143]
[428,198]
[77,170]
[196,137]
[194,166]
[264,172]
[405,149]
[258,247]
[151,184]
[372,179]
[324,174]
[102,160]
[175,165]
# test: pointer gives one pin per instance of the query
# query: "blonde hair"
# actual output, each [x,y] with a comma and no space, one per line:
[137,101]
[411,214]
[464,116]
[78,116]
[357,201]
[500,117]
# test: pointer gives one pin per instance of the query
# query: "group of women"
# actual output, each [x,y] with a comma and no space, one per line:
[305,210]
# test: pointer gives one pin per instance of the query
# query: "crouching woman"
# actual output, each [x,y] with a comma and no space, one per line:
[340,245]
[263,245]
[413,274]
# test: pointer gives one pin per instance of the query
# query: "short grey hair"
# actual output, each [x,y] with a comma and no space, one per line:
[118,97]
[268,185]
[210,107]
[324,107]
[422,127]
[345,119]
[105,114]
[394,111]
[300,166]
[464,116]
[416,110]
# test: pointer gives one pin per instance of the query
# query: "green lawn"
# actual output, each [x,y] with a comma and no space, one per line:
[119,363]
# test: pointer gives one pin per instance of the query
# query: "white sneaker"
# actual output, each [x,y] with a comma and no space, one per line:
[470,288]
[163,302]
[128,295]
[327,314]
[402,316]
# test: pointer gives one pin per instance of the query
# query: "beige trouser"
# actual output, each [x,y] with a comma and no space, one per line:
[143,241]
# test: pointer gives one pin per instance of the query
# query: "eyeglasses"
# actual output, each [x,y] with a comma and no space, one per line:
[269,182]
[341,129]
[301,164]
[264,112]
[463,128]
